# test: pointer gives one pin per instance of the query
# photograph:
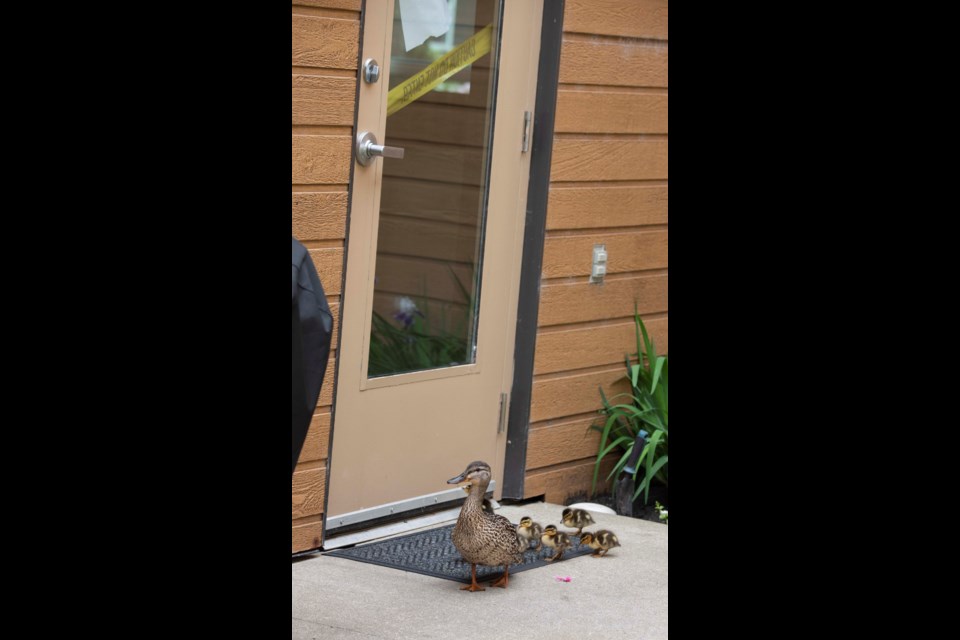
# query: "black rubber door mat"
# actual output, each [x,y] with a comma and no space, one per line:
[432,553]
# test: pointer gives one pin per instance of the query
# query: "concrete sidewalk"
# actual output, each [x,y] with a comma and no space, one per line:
[621,595]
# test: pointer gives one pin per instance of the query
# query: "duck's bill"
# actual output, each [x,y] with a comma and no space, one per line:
[460,478]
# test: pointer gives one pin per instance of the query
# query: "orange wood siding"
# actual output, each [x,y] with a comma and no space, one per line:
[608,186]
[632,18]
[324,68]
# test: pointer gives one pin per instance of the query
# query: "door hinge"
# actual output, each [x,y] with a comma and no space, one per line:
[502,423]
[527,119]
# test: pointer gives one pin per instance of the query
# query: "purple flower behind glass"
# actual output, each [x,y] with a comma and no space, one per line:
[406,310]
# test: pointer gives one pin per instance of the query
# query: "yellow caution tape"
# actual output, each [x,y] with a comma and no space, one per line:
[414,87]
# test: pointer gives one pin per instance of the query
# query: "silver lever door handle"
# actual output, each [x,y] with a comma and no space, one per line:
[367,149]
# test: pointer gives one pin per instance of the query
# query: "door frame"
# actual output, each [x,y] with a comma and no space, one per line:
[538,191]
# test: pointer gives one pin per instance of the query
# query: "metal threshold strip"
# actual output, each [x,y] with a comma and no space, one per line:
[395,518]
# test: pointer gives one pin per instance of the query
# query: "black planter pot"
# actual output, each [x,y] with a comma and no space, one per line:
[658,493]
[648,511]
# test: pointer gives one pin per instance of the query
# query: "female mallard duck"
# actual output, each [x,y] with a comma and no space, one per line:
[555,540]
[601,542]
[530,530]
[483,537]
[577,519]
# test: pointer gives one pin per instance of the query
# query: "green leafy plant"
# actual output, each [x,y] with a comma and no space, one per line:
[661,512]
[646,409]
[410,345]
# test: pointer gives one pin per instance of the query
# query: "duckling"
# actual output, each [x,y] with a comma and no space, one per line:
[530,530]
[601,542]
[556,540]
[487,505]
[577,519]
[483,537]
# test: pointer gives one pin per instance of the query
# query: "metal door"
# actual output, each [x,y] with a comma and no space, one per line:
[433,256]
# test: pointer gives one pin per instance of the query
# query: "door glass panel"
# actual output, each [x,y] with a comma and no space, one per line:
[433,200]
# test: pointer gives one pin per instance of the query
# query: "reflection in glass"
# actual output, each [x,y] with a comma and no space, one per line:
[432,209]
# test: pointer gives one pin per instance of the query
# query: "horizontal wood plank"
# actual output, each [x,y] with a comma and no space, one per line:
[626,252]
[335,312]
[326,387]
[630,18]
[449,124]
[317,440]
[557,485]
[436,162]
[610,112]
[325,42]
[606,206]
[431,201]
[571,395]
[619,63]
[425,278]
[594,346]
[309,489]
[329,265]
[562,303]
[350,5]
[401,236]
[603,160]
[323,100]
[320,215]
[321,159]
[307,534]
[558,443]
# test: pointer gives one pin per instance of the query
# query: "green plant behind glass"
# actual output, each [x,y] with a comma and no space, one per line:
[413,347]
[646,409]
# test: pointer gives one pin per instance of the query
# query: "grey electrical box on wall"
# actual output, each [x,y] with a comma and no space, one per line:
[599,268]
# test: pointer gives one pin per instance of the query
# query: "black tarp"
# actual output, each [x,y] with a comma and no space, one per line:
[311,333]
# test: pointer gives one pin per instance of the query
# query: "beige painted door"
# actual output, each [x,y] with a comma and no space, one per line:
[434,249]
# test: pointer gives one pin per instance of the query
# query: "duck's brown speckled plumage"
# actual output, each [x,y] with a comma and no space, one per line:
[481,536]
[487,505]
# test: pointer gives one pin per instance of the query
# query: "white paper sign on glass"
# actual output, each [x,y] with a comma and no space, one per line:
[422,19]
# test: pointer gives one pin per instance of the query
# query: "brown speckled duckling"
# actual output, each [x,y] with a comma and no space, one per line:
[601,542]
[530,530]
[483,537]
[577,519]
[555,540]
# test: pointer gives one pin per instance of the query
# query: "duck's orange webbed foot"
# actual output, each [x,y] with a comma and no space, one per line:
[473,586]
[504,580]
